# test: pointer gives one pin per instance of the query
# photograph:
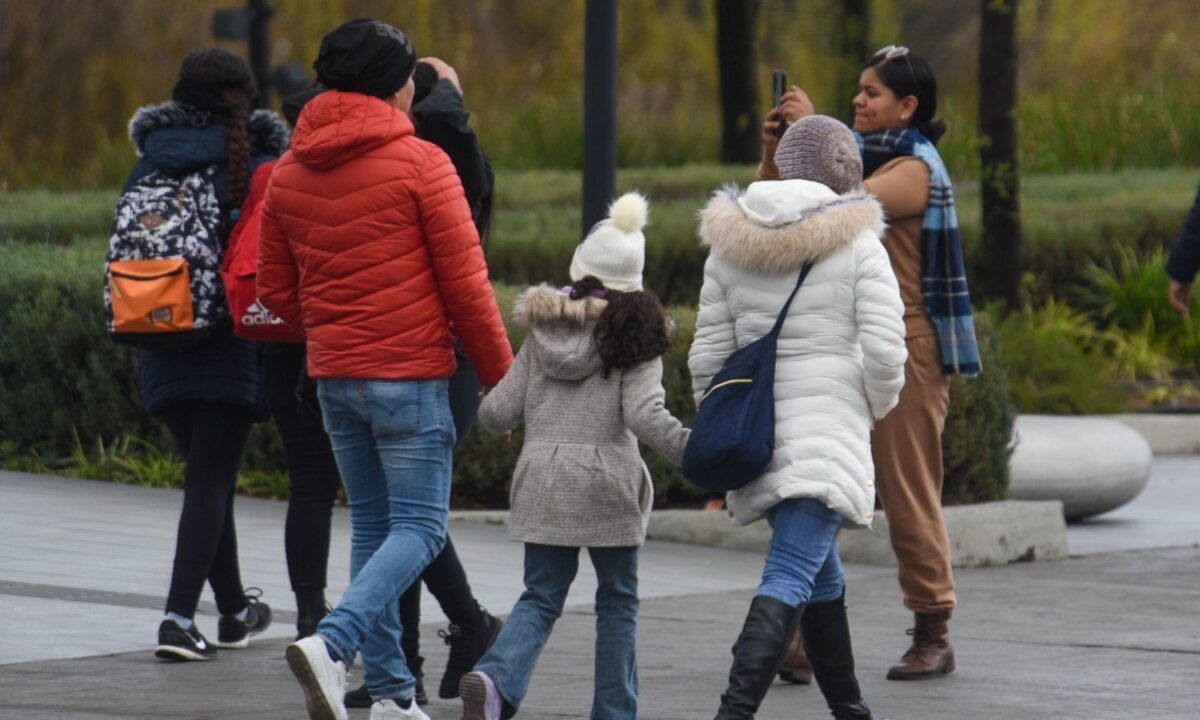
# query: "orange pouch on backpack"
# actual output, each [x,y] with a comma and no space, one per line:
[150,296]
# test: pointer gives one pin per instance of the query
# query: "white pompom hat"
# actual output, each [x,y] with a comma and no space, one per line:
[614,252]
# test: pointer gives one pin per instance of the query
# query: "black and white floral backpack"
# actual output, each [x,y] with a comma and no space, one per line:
[162,287]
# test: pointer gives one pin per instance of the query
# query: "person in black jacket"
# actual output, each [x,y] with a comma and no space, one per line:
[1185,260]
[440,118]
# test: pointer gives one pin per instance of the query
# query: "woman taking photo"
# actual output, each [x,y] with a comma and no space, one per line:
[895,121]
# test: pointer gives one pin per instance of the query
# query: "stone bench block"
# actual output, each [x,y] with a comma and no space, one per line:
[1090,464]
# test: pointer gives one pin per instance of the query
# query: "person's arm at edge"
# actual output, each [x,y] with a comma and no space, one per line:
[1185,259]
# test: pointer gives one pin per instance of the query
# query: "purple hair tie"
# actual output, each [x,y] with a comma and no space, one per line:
[570,289]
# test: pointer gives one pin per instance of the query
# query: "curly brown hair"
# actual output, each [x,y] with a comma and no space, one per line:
[632,329]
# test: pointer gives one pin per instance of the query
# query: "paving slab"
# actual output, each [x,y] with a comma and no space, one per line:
[1106,634]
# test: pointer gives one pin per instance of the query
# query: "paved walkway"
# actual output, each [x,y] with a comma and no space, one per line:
[1110,634]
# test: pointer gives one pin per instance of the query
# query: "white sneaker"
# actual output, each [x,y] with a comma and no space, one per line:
[481,700]
[389,709]
[322,678]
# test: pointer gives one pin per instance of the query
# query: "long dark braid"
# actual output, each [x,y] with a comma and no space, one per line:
[237,166]
[221,83]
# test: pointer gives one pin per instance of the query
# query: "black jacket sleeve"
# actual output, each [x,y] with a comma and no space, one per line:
[1185,256]
[441,119]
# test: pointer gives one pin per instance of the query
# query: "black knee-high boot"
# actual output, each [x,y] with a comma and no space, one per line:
[826,632]
[756,657]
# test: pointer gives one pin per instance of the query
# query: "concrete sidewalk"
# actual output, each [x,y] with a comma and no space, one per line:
[1109,635]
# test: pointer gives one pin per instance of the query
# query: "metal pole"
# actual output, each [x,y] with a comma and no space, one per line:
[599,110]
[258,40]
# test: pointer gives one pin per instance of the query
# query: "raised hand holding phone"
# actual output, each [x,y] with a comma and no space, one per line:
[778,88]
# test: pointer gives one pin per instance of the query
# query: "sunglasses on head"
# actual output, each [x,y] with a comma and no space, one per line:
[892,52]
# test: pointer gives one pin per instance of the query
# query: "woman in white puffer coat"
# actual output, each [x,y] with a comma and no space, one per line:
[839,368]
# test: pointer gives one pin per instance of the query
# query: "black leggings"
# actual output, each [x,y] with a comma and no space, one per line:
[445,576]
[210,436]
[292,397]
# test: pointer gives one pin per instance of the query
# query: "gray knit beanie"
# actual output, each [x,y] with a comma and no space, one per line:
[821,149]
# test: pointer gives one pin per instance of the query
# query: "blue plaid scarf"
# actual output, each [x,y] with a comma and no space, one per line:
[943,277]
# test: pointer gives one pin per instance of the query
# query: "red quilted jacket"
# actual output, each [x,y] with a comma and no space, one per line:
[368,246]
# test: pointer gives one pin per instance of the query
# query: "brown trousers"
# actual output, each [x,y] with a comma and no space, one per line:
[907,448]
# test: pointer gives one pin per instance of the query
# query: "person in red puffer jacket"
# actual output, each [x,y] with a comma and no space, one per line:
[368,246]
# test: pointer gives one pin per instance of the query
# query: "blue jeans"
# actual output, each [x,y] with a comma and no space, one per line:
[549,571]
[393,441]
[802,563]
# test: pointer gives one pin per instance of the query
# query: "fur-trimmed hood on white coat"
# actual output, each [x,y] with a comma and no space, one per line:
[841,354]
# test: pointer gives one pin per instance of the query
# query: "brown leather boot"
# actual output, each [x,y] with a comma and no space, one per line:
[931,653]
[795,668]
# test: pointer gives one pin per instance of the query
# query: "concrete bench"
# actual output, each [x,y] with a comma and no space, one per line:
[1091,464]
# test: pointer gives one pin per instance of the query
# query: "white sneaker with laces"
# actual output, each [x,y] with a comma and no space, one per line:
[389,709]
[322,678]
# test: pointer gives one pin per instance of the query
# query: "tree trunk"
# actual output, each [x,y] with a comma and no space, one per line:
[737,63]
[855,49]
[998,150]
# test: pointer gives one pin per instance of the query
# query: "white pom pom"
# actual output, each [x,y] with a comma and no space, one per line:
[628,212]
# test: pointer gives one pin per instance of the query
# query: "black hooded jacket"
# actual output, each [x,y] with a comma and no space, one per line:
[441,118]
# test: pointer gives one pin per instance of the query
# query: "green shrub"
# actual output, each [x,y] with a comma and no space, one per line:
[58,373]
[1128,295]
[977,442]
[1049,369]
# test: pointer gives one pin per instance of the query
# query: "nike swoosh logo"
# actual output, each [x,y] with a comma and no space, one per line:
[201,645]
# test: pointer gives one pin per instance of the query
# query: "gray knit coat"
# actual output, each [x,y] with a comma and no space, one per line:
[580,480]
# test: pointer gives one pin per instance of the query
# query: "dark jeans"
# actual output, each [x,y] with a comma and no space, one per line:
[210,436]
[549,572]
[445,576]
[292,397]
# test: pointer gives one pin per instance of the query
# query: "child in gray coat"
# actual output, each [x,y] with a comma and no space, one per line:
[587,384]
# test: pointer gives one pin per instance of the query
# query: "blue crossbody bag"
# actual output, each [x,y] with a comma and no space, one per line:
[733,434]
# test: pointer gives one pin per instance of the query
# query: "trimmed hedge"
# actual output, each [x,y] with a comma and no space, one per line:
[1068,222]
[59,374]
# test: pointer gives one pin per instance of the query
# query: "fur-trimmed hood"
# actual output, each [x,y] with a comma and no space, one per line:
[562,330]
[829,223]
[268,133]
[542,303]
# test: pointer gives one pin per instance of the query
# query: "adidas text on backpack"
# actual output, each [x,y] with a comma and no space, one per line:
[162,289]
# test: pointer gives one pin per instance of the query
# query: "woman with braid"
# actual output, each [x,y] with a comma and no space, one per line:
[208,395]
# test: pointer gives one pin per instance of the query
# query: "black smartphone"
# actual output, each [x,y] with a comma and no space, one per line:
[778,88]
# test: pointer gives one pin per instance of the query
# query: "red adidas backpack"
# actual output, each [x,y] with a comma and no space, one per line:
[239,270]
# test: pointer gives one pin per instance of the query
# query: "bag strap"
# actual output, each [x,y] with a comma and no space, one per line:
[783,313]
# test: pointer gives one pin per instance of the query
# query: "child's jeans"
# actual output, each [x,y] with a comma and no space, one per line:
[549,571]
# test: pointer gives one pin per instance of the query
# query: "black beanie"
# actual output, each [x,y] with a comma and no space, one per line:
[365,56]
